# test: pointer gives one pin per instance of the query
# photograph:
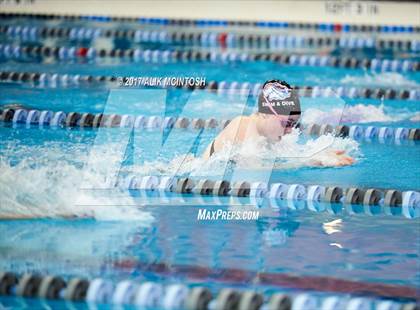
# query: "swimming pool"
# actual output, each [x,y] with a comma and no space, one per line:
[337,254]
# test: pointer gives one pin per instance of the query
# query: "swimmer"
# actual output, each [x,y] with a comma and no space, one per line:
[278,113]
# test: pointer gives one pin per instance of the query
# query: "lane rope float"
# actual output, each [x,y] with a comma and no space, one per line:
[322,27]
[53,80]
[407,201]
[222,39]
[72,53]
[175,296]
[153,122]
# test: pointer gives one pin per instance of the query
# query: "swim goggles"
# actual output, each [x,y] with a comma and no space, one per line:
[287,124]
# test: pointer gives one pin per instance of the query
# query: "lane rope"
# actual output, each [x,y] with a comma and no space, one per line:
[181,296]
[44,79]
[208,39]
[49,118]
[62,53]
[408,201]
[322,27]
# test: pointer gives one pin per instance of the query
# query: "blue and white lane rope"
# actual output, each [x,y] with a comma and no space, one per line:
[89,120]
[150,294]
[54,80]
[165,198]
[322,27]
[204,193]
[313,193]
[62,53]
[207,39]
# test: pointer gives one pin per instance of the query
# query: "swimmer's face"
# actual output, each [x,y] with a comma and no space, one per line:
[279,125]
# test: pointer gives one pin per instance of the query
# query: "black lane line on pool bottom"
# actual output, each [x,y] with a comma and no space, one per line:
[242,276]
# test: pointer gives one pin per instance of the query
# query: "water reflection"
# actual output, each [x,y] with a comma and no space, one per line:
[283,239]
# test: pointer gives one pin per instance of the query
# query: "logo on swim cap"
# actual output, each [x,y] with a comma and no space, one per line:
[276,92]
[279,98]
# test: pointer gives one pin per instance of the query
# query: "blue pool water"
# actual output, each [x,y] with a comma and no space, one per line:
[120,234]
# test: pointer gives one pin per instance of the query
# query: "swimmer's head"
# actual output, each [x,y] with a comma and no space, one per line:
[279,105]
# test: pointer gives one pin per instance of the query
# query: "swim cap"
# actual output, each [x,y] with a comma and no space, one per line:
[279,97]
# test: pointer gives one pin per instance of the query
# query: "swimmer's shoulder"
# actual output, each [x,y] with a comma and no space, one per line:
[236,130]
[238,122]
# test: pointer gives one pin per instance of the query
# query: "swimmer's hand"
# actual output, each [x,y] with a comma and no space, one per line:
[343,159]
[336,158]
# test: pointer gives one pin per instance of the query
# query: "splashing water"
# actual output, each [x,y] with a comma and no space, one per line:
[358,113]
[45,180]
[388,79]
[416,117]
[46,184]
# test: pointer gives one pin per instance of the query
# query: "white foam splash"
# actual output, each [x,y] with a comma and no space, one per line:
[389,79]
[259,154]
[46,184]
[415,117]
[358,113]
[288,153]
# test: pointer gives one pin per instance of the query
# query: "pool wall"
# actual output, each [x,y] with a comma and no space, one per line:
[354,12]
